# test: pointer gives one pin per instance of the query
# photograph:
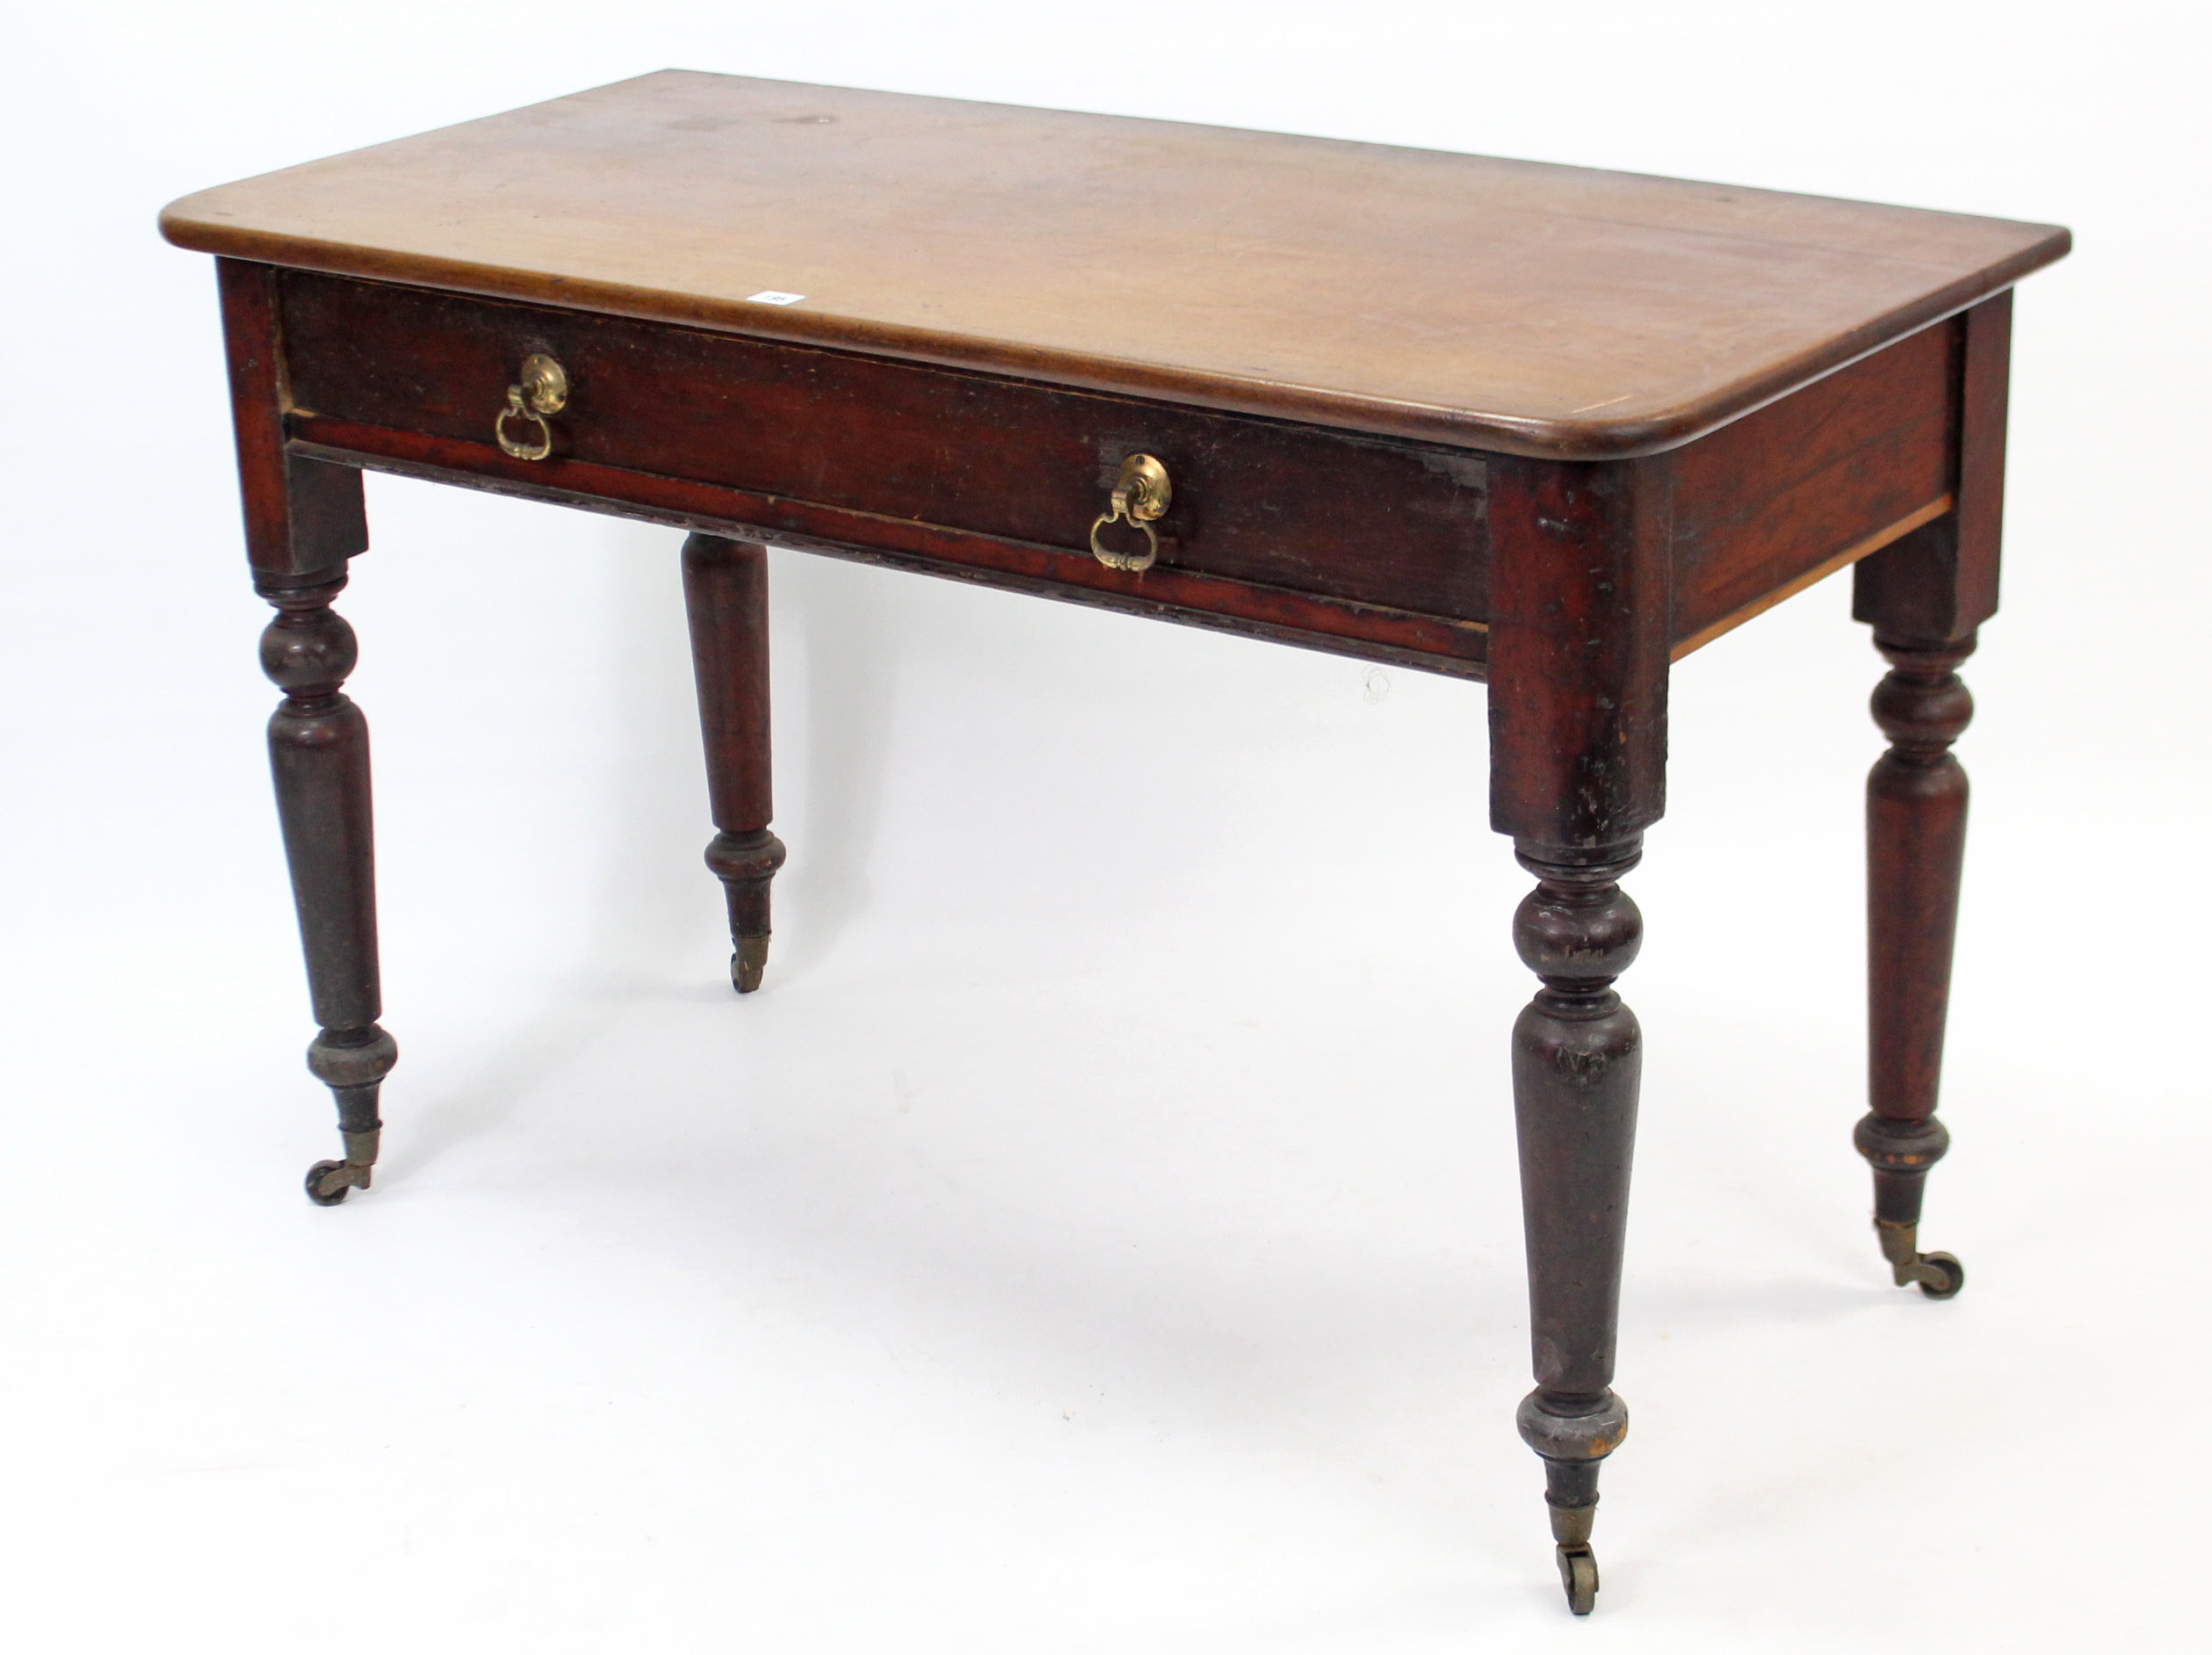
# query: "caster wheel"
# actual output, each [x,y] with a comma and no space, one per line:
[1952,1273]
[1579,1574]
[316,1173]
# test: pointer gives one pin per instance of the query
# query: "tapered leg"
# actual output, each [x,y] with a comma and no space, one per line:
[1577,1059]
[726,592]
[319,755]
[1926,595]
[1916,845]
[1580,569]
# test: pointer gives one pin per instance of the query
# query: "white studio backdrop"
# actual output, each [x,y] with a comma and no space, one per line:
[1101,1234]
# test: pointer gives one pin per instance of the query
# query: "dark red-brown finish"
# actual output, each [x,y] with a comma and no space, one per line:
[1685,450]
[1258,501]
[1579,635]
[1577,1058]
[1581,628]
[318,756]
[1804,481]
[1916,848]
[1339,626]
[319,743]
[1925,596]
[1579,640]
[1939,583]
[304,519]
[302,515]
[725,595]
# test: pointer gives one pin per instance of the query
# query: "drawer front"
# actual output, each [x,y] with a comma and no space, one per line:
[1368,521]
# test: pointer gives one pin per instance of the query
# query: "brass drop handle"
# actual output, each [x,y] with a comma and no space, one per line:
[1140,497]
[544,390]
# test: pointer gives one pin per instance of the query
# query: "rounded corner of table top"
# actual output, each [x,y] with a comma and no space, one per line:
[181,226]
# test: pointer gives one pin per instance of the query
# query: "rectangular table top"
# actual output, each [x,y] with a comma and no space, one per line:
[1508,305]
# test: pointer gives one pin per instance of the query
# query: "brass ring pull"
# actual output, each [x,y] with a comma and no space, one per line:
[1140,495]
[544,390]
[514,411]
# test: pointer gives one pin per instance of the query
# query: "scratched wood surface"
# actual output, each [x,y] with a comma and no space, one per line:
[1531,309]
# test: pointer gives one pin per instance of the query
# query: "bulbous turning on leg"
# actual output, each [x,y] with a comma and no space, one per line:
[319,759]
[1916,848]
[1576,1064]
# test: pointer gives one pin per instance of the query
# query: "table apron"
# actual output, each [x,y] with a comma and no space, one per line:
[1335,626]
[1308,509]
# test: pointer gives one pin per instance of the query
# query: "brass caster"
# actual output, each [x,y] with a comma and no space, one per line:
[749,964]
[1579,1574]
[1938,1275]
[327,1180]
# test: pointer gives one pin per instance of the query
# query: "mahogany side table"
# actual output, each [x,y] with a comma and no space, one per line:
[1538,425]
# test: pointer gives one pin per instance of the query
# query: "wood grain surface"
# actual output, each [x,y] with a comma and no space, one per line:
[1531,309]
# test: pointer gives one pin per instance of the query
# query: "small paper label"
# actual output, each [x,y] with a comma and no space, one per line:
[775,299]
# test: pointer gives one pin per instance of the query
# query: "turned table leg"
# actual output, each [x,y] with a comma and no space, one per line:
[305,521]
[725,594]
[1578,1057]
[1578,663]
[319,755]
[1916,846]
[1926,595]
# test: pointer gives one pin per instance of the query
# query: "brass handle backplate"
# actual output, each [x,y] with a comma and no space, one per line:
[544,390]
[1140,497]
